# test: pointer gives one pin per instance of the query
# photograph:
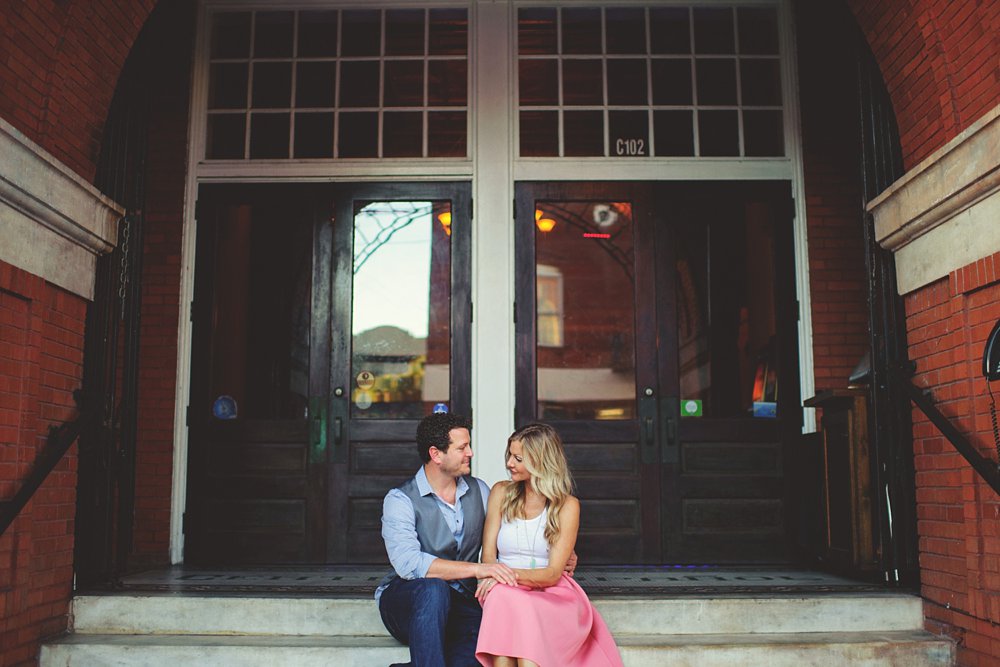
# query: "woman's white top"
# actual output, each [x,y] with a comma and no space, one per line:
[521,540]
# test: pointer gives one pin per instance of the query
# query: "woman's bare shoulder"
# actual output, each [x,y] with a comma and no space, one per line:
[500,486]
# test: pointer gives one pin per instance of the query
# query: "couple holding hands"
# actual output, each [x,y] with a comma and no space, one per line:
[516,606]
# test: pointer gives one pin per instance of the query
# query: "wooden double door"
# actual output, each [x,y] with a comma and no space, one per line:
[656,329]
[328,319]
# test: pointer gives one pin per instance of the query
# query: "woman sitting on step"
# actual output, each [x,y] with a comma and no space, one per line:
[531,526]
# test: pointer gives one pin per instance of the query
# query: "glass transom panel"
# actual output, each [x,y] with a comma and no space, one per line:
[649,82]
[338,83]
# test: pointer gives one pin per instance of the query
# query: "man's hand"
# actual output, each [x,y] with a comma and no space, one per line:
[484,587]
[571,563]
[497,571]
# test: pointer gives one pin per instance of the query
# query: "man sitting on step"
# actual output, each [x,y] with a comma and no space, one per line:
[433,531]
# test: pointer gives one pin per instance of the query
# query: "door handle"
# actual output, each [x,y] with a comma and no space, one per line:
[338,431]
[317,428]
[670,452]
[647,429]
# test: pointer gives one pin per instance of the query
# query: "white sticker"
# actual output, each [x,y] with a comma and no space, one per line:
[363,401]
[365,380]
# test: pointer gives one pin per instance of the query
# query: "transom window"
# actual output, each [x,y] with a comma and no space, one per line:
[649,81]
[331,83]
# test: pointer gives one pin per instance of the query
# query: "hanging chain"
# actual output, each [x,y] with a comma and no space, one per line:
[125,224]
[993,418]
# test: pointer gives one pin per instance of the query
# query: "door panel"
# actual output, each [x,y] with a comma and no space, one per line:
[259,362]
[637,303]
[725,494]
[582,331]
[402,293]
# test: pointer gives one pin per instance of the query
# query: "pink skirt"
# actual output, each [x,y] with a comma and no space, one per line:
[552,627]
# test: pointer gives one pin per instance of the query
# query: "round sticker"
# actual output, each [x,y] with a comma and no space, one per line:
[365,380]
[440,408]
[224,407]
[363,401]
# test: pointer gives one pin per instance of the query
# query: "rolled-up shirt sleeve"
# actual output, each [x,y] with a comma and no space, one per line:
[399,531]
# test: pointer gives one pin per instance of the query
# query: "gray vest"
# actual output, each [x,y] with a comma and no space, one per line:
[435,535]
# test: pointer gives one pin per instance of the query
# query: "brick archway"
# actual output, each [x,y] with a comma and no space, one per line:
[61,65]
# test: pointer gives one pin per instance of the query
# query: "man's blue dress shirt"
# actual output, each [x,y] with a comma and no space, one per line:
[399,527]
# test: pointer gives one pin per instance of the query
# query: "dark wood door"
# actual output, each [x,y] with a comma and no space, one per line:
[725,489]
[586,289]
[259,375]
[400,344]
[328,321]
[645,313]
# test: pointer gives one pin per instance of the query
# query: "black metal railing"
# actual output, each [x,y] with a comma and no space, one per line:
[58,442]
[922,398]
[889,426]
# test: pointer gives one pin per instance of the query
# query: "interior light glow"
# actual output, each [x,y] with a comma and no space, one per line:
[544,224]
[445,220]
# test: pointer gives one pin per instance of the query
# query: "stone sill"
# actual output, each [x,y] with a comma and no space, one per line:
[943,214]
[53,223]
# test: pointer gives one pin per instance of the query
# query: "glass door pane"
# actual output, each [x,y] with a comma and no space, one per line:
[400,325]
[584,278]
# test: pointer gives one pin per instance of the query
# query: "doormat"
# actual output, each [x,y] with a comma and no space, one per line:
[361,581]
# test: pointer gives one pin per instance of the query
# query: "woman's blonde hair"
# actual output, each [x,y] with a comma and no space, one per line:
[542,451]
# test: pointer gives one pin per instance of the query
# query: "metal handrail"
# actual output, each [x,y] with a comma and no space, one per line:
[987,469]
[58,442]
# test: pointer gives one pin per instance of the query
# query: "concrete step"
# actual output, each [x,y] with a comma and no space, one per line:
[859,649]
[221,615]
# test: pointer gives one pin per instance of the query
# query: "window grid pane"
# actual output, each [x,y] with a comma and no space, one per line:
[707,77]
[318,84]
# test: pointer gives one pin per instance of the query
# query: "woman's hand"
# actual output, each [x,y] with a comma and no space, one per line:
[498,572]
[571,563]
[484,587]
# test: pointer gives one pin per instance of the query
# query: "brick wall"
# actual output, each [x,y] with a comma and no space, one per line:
[828,98]
[41,362]
[59,62]
[947,324]
[939,59]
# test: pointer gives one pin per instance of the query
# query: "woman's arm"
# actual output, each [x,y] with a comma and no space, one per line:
[569,524]
[491,528]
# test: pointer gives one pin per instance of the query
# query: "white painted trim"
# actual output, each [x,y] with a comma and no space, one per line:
[182,392]
[54,223]
[941,215]
[800,228]
[493,355]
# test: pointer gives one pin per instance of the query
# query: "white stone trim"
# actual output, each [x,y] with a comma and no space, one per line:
[53,223]
[942,214]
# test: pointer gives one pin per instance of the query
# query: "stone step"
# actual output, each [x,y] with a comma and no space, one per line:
[859,649]
[222,615]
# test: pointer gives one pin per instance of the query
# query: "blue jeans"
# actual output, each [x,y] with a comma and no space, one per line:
[440,625]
